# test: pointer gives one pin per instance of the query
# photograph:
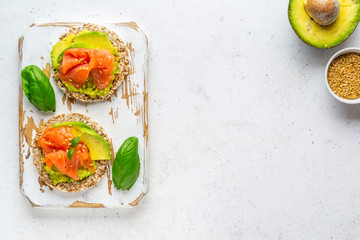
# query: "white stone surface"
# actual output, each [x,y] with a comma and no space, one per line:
[245,140]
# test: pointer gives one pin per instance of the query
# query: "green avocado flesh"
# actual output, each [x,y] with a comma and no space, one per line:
[72,124]
[324,36]
[96,39]
[98,147]
[57,177]
[90,89]
[58,48]
[89,40]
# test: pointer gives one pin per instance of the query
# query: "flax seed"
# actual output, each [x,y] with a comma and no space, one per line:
[344,76]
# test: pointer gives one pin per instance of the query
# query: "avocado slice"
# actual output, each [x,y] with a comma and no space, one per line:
[57,177]
[98,147]
[58,48]
[324,36]
[96,39]
[76,45]
[84,39]
[72,124]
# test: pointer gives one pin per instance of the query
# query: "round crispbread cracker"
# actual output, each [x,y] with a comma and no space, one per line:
[90,181]
[123,65]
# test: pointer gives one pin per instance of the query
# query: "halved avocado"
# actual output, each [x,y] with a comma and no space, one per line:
[324,36]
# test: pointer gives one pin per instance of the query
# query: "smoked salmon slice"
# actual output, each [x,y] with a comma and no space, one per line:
[55,143]
[61,162]
[103,62]
[54,139]
[82,157]
[80,64]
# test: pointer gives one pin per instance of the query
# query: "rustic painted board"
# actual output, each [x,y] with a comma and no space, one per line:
[125,114]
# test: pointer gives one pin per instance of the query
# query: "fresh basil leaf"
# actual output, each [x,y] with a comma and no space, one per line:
[37,88]
[70,153]
[126,167]
[75,141]
[132,174]
[129,149]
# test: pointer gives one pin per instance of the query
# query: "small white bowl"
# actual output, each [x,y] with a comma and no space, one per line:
[341,52]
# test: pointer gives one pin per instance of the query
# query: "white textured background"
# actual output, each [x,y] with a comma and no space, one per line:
[245,140]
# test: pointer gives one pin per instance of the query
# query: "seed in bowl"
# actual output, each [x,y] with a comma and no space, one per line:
[344,76]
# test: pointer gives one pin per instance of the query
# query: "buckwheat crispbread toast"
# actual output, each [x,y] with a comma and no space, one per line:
[123,66]
[75,186]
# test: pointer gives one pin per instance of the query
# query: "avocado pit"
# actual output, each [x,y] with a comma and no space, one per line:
[324,12]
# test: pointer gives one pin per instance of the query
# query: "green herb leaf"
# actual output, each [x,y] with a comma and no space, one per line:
[37,88]
[70,153]
[75,141]
[126,167]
